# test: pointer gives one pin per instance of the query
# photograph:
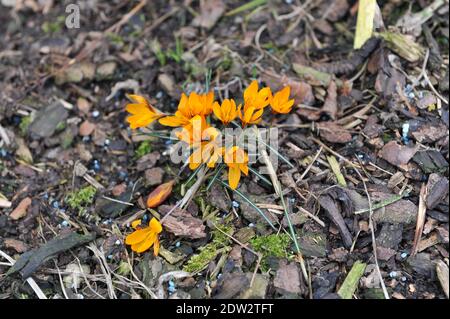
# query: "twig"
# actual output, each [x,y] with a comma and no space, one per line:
[29,280]
[311,164]
[372,231]
[420,219]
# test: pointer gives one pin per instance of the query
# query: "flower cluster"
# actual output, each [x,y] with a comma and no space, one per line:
[194,115]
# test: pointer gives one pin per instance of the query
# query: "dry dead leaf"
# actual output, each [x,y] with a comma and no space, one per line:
[334,133]
[397,154]
[86,128]
[21,209]
[210,13]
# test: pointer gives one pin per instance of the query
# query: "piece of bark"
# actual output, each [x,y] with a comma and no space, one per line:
[333,212]
[30,261]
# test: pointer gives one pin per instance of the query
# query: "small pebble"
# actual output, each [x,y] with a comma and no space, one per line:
[393,274]
[96,166]
[404,255]
[110,257]
[235,204]
[251,225]
[159,95]
[403,278]
[117,242]
[95,113]
[107,142]
[55,204]
[86,139]
[65,223]
[219,275]
[3,152]
[177,244]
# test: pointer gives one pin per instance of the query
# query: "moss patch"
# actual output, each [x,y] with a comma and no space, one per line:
[271,246]
[80,199]
[24,124]
[143,149]
[219,243]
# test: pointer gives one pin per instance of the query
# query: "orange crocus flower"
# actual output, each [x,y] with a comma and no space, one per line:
[237,160]
[280,102]
[143,113]
[251,115]
[226,112]
[146,237]
[188,108]
[253,97]
[208,151]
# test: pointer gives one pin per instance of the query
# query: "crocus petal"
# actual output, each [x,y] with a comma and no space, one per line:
[173,121]
[244,168]
[234,175]
[137,236]
[156,247]
[155,225]
[135,223]
[145,244]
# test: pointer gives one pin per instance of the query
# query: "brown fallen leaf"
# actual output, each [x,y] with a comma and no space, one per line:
[210,13]
[84,106]
[17,245]
[301,92]
[160,194]
[21,209]
[181,223]
[397,154]
[421,213]
[334,133]
[288,278]
[86,128]
[330,105]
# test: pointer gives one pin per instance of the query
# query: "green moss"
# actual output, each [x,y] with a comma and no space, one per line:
[82,198]
[143,149]
[61,126]
[24,124]
[115,38]
[271,246]
[198,262]
[55,26]
[209,252]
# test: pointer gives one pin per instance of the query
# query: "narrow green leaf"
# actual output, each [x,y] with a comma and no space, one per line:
[250,203]
[336,170]
[247,6]
[351,281]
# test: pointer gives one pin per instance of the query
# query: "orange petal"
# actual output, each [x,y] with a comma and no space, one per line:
[173,121]
[136,223]
[156,247]
[137,236]
[234,175]
[155,225]
[145,244]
